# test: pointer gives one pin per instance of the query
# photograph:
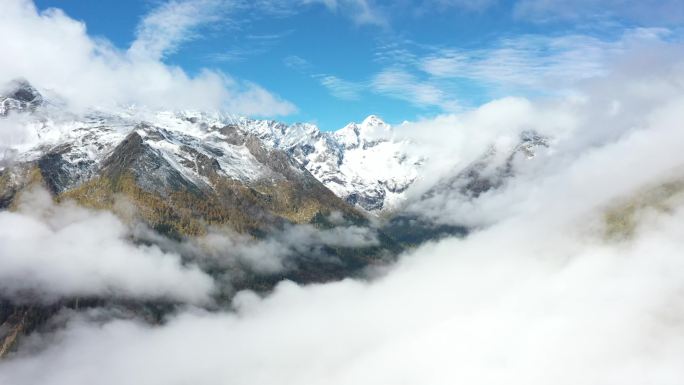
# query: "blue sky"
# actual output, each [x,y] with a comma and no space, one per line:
[341,60]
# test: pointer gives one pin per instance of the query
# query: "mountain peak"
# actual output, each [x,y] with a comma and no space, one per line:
[369,132]
[20,89]
[19,95]
[372,121]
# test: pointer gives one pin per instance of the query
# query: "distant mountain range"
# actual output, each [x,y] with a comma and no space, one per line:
[361,163]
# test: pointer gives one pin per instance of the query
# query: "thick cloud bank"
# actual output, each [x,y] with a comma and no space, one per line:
[49,251]
[519,303]
[540,295]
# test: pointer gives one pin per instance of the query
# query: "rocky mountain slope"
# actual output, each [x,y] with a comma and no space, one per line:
[189,174]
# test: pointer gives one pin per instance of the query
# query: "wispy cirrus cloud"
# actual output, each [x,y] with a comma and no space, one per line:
[360,11]
[526,64]
[536,61]
[173,23]
[648,12]
[251,45]
[427,76]
[340,88]
[398,83]
[468,5]
[447,77]
[297,63]
[527,61]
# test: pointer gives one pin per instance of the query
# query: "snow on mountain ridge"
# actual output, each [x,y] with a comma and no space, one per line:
[83,143]
[362,163]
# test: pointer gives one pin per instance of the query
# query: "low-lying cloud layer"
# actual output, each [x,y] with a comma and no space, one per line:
[54,251]
[279,252]
[522,303]
[270,255]
[538,295]
[50,251]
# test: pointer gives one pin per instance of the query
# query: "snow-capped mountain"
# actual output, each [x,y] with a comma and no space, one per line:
[183,171]
[362,163]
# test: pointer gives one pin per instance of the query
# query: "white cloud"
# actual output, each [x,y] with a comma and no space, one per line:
[91,72]
[13,133]
[470,134]
[48,252]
